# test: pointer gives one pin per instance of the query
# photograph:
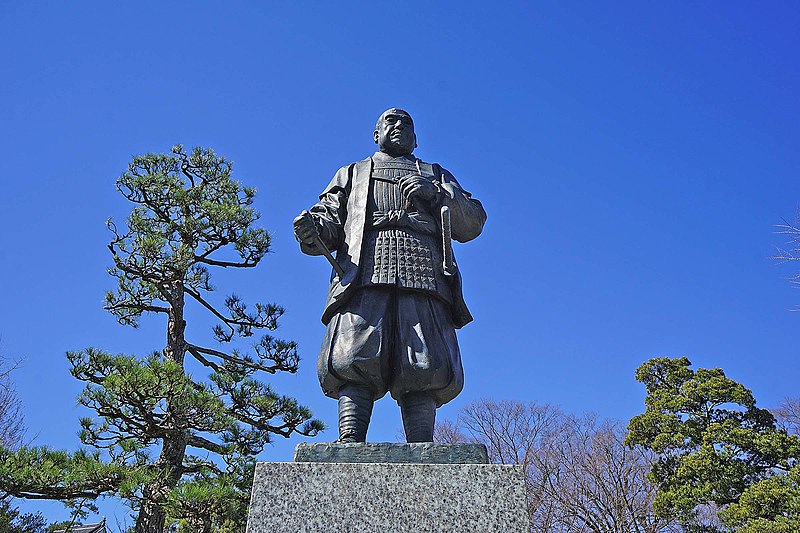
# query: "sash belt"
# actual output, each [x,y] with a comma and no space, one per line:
[400,218]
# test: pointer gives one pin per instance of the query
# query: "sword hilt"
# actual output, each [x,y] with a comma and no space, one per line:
[321,245]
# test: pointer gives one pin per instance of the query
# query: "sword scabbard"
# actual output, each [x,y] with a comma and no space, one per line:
[448,264]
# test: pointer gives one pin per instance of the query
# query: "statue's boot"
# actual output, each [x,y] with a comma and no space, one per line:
[419,415]
[355,410]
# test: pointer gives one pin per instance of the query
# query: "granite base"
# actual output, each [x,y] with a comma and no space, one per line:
[361,497]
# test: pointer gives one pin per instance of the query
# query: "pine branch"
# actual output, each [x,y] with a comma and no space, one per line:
[211,308]
[41,473]
[197,350]
[198,355]
[225,264]
[200,442]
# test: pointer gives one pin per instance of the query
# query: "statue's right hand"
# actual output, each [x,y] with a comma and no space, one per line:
[305,230]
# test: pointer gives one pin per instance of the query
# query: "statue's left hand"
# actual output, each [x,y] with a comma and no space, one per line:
[415,187]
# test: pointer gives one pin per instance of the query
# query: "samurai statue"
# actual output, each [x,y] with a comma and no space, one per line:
[395,298]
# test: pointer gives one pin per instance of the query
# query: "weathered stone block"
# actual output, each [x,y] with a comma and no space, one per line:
[390,452]
[387,497]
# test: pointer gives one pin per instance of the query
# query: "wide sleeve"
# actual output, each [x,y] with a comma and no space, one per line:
[467,215]
[330,213]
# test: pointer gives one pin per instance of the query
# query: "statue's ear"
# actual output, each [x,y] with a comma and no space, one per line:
[415,140]
[375,136]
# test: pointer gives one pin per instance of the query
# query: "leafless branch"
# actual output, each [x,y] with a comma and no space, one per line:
[579,474]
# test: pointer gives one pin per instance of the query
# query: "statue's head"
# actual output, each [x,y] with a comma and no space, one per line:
[394,132]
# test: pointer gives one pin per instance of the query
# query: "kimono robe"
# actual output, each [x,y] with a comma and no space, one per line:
[394,333]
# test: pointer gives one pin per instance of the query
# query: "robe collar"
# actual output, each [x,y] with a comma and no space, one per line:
[385,158]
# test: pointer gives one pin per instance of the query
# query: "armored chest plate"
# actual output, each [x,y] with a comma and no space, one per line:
[402,242]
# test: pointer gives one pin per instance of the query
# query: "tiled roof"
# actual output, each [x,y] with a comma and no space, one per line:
[86,528]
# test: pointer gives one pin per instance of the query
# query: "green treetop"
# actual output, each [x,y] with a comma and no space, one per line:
[715,446]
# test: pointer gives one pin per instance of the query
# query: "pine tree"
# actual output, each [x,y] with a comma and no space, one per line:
[179,446]
[715,447]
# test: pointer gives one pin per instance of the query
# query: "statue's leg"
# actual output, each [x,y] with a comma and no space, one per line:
[419,416]
[355,410]
[426,363]
[351,367]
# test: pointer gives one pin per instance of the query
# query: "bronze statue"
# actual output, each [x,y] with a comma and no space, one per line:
[395,300]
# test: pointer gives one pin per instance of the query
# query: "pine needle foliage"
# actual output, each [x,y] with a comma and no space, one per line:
[178,446]
[715,448]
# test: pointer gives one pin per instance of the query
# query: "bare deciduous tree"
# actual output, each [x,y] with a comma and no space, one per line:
[788,415]
[580,477]
[599,483]
[518,433]
[11,427]
[791,250]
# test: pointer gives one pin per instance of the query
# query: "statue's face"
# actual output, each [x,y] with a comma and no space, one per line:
[395,133]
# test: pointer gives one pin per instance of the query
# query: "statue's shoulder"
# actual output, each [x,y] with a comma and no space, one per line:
[349,170]
[362,167]
[362,163]
[344,177]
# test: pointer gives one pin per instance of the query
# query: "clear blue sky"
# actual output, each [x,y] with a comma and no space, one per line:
[633,158]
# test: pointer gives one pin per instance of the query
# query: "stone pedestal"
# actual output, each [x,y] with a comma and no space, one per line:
[390,452]
[414,488]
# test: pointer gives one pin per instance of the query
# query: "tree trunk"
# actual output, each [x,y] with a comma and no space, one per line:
[176,343]
[152,515]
